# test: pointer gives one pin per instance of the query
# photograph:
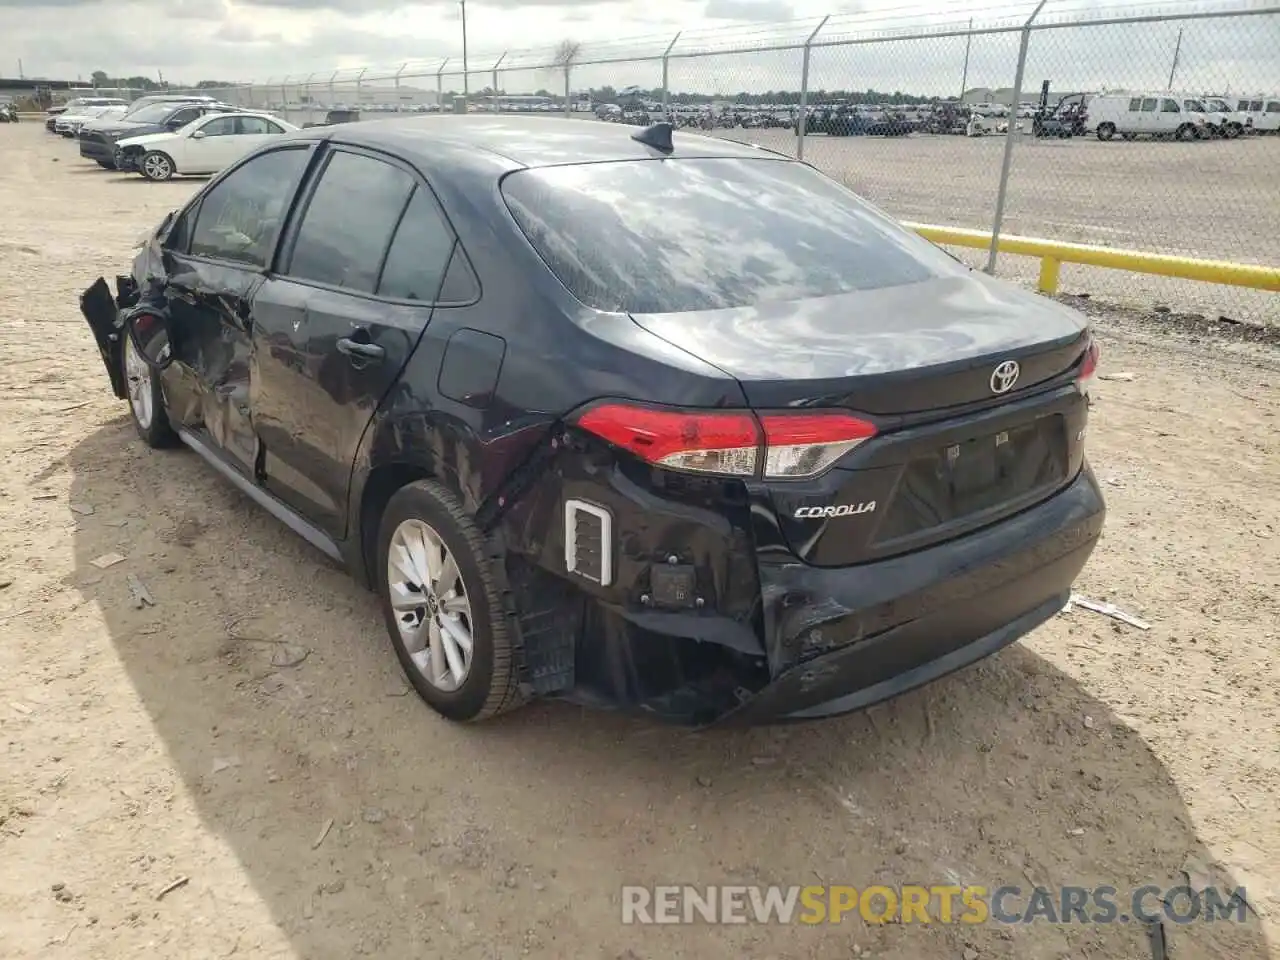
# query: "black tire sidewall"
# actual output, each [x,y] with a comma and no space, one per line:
[425,501]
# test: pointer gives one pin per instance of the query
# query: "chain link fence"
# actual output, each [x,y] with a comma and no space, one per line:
[1150,128]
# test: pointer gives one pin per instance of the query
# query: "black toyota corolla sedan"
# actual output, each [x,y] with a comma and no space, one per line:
[659,422]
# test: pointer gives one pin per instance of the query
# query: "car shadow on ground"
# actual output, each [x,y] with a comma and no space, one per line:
[369,826]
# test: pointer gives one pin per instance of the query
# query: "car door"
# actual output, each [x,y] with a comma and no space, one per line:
[214,260]
[358,272]
[210,145]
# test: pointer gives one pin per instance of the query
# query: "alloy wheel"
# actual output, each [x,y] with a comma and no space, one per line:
[139,376]
[431,604]
[157,167]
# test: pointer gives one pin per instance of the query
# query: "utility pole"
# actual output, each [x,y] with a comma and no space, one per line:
[964,75]
[20,76]
[466,86]
[1177,49]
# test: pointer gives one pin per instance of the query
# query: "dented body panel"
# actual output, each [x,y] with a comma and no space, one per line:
[953,530]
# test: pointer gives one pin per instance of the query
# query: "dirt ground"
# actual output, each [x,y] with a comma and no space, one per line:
[215,736]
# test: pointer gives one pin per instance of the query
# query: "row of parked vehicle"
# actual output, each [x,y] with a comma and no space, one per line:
[164,135]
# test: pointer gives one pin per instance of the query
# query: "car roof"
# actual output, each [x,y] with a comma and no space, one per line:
[523,141]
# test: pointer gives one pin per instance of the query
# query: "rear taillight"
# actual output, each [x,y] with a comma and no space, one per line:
[1088,368]
[781,446]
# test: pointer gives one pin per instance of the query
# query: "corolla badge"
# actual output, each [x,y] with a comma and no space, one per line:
[843,510]
[1004,376]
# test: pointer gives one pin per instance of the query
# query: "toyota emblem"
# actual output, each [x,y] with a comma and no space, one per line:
[1004,376]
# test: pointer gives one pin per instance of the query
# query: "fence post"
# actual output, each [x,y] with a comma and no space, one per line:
[284,93]
[398,72]
[440,83]
[307,87]
[1010,135]
[333,92]
[497,91]
[360,84]
[568,104]
[666,89]
[804,89]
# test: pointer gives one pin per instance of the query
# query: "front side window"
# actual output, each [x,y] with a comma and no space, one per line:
[703,234]
[1135,104]
[1273,106]
[349,221]
[239,216]
[1149,105]
[220,127]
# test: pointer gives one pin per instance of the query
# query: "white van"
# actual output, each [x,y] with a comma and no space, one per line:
[1163,114]
[1225,118]
[1261,114]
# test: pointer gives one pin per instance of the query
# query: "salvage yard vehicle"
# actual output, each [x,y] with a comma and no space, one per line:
[76,106]
[1224,120]
[70,124]
[744,463]
[1159,115]
[335,116]
[205,145]
[8,111]
[98,140]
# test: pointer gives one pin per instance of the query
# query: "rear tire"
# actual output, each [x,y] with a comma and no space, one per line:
[439,596]
[1106,131]
[146,399]
[1186,132]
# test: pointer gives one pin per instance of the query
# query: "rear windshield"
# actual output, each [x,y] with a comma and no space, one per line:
[155,112]
[667,236]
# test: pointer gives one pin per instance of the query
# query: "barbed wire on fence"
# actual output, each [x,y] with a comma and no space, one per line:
[961,117]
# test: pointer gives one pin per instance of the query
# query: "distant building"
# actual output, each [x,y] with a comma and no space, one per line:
[1002,95]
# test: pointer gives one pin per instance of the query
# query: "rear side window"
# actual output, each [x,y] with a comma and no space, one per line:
[675,235]
[239,217]
[419,253]
[349,222]
[1149,105]
[1169,106]
[1135,104]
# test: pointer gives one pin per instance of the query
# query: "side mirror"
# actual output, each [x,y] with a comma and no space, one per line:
[149,333]
[199,135]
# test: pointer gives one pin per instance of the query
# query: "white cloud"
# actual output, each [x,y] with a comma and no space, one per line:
[193,40]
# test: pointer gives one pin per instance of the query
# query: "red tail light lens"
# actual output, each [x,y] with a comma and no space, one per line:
[1088,367]
[794,445]
[706,441]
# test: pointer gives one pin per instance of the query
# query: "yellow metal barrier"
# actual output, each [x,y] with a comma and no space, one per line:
[1053,254]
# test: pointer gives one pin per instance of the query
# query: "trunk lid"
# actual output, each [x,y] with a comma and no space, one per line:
[902,350]
[952,453]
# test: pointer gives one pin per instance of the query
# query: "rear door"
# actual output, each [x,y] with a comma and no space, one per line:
[357,276]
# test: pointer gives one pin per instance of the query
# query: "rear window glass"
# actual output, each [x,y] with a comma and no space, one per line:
[674,235]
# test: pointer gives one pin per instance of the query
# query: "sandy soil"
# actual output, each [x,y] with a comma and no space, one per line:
[212,736]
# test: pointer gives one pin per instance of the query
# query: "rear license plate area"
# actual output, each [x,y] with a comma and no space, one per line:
[977,475]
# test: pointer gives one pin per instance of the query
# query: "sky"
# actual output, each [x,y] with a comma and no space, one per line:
[186,41]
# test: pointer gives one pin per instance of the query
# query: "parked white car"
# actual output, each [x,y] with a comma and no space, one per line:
[1161,114]
[204,146]
[70,124]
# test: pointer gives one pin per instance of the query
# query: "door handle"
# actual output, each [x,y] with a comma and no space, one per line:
[362,351]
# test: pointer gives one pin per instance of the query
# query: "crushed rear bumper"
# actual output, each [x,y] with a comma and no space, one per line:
[859,635]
